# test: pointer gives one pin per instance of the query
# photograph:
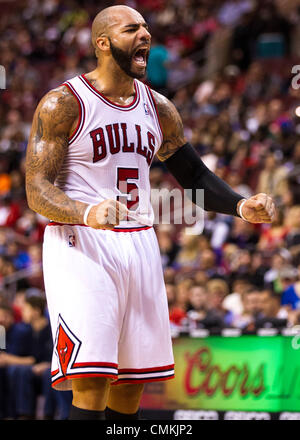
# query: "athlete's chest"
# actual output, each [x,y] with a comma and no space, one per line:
[112,134]
[108,132]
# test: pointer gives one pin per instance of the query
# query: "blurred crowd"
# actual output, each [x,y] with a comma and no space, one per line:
[227,66]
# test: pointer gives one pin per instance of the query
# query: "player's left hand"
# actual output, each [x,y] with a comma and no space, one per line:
[259,209]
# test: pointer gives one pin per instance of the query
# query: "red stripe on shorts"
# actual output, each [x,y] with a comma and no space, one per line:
[146,370]
[153,379]
[95,364]
[133,229]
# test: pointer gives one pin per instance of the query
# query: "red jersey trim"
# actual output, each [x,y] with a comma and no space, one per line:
[154,106]
[81,118]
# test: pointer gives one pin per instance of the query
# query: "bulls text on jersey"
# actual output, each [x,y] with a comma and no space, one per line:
[118,141]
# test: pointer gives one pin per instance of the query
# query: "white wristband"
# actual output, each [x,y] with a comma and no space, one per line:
[240,209]
[86,213]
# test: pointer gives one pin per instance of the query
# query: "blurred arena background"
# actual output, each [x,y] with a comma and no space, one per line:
[230,68]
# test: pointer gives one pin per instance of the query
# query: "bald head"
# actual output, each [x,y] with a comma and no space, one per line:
[109,17]
[121,39]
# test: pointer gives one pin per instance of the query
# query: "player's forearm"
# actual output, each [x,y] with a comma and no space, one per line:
[51,202]
[218,196]
[192,174]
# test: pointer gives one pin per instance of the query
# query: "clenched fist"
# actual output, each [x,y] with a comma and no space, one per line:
[258,209]
[107,214]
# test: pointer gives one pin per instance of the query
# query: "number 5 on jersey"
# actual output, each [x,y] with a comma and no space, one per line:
[128,189]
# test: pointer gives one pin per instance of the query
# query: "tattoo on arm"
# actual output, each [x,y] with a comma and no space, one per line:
[54,120]
[172,127]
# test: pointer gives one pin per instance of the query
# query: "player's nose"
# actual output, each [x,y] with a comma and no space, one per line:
[144,34]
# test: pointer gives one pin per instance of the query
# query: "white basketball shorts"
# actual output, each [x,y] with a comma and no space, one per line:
[107,305]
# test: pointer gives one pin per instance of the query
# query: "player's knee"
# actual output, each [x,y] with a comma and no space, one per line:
[90,384]
[129,391]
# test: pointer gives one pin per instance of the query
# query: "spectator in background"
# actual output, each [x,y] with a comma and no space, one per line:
[291,287]
[188,256]
[167,245]
[217,291]
[27,380]
[17,353]
[28,226]
[181,304]
[9,211]
[228,254]
[273,177]
[18,257]
[258,269]
[251,306]
[234,301]
[200,278]
[5,183]
[231,11]
[18,304]
[35,266]
[169,275]
[242,263]
[279,260]
[208,263]
[157,71]
[171,294]
[243,234]
[234,180]
[274,235]
[272,314]
[293,235]
[198,307]
[217,227]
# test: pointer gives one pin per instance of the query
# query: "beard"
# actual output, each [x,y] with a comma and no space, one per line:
[124,61]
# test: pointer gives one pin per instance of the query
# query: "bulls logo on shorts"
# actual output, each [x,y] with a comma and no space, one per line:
[66,346]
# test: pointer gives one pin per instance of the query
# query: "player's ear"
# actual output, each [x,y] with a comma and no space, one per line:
[102,43]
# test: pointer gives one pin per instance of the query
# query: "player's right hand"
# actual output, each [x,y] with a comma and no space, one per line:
[107,214]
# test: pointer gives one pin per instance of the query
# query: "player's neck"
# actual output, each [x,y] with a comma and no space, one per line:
[112,83]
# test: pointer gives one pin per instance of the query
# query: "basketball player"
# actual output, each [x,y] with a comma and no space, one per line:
[87,170]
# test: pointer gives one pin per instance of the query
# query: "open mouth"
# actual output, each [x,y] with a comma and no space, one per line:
[140,57]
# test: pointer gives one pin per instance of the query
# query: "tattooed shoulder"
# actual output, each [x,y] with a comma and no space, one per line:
[52,124]
[171,124]
[56,113]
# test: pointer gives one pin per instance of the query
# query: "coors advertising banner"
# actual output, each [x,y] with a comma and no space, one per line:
[247,373]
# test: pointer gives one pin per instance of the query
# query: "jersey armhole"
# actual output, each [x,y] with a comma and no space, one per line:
[154,107]
[81,117]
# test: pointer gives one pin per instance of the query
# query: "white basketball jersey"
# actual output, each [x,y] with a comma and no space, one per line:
[111,150]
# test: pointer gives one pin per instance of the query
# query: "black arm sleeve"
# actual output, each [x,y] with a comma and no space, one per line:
[192,174]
